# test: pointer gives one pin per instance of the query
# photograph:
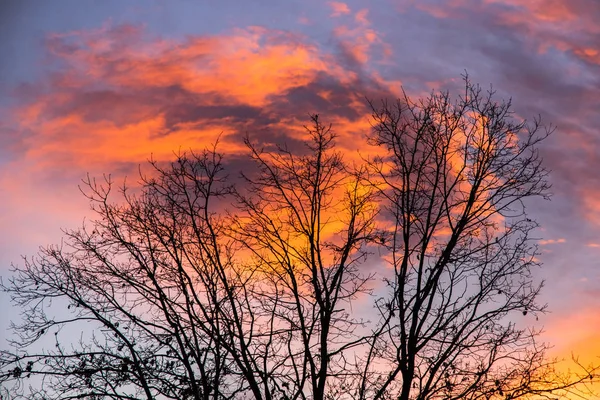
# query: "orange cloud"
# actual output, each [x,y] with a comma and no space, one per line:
[120,95]
[248,65]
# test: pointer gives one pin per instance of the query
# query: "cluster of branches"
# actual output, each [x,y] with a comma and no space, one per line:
[191,288]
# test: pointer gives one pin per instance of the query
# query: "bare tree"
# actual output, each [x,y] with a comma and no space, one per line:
[455,178]
[307,221]
[186,287]
[155,285]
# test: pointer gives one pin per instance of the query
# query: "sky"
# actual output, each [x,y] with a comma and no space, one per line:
[99,86]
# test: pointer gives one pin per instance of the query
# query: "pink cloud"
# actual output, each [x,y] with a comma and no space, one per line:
[552,241]
[546,24]
[361,41]
[338,8]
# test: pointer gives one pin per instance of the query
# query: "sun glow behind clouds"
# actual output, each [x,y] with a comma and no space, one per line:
[118,94]
[121,95]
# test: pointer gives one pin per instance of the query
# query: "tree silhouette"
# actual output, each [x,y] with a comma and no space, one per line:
[454,179]
[190,287]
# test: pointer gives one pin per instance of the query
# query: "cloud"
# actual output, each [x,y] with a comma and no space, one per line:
[116,95]
[359,42]
[552,241]
[542,54]
[120,94]
[338,8]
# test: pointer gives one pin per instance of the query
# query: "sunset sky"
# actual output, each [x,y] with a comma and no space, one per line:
[99,86]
